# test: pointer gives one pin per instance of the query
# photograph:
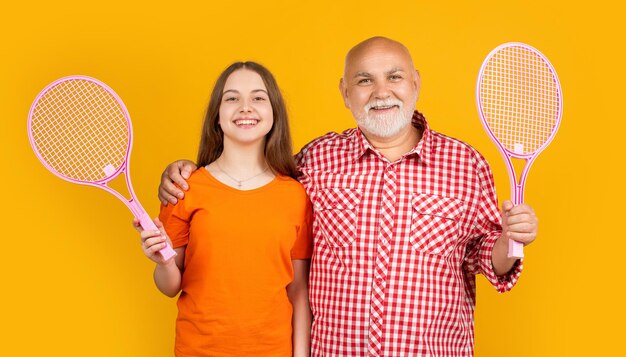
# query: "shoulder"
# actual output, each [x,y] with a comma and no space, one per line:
[290,185]
[329,140]
[198,176]
[447,146]
[331,143]
[288,190]
[198,182]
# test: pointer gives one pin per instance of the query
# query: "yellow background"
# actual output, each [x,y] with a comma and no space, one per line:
[74,280]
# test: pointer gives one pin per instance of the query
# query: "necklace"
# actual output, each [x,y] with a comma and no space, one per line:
[240,182]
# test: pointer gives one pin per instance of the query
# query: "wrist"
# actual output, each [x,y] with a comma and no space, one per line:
[166,265]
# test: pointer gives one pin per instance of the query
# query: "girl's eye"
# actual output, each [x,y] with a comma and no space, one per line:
[259,98]
[230,99]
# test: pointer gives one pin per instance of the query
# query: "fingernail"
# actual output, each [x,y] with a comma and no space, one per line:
[180,195]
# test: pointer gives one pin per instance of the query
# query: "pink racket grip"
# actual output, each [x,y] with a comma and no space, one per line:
[147,224]
[516,249]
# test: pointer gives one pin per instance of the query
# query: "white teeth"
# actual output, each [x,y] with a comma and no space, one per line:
[245,122]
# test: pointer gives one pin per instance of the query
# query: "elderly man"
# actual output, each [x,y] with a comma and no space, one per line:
[405,218]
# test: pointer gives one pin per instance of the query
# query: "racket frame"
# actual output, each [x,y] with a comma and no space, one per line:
[111,174]
[516,249]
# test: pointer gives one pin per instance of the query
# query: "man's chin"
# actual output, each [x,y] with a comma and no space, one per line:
[381,132]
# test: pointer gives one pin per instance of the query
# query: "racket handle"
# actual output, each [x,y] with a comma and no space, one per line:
[516,249]
[147,224]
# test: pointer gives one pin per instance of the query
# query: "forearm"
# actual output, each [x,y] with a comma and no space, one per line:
[298,293]
[501,263]
[167,278]
[301,322]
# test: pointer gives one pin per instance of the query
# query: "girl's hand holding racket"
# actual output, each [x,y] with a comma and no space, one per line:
[153,241]
[519,222]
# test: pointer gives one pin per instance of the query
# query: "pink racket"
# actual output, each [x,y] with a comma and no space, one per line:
[80,130]
[520,105]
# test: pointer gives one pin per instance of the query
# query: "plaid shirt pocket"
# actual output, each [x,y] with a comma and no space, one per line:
[435,225]
[336,215]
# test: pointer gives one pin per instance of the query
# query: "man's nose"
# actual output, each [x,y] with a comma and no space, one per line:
[381,90]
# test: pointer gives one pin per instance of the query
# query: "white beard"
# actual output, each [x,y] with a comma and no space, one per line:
[385,125]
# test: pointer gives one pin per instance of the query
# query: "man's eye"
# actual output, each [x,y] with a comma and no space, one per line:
[364,81]
[395,77]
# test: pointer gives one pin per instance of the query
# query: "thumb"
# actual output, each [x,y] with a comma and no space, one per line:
[507,205]
[187,168]
[185,171]
[159,225]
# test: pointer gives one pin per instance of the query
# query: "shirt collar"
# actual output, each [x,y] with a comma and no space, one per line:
[423,149]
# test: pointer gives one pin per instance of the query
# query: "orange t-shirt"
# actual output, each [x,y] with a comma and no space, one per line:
[239,247]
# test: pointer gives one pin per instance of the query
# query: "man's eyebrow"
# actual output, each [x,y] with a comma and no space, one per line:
[395,70]
[367,74]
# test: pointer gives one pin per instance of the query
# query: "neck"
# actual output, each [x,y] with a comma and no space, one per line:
[243,159]
[393,148]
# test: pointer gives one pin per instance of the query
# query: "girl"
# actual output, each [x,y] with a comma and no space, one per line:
[242,232]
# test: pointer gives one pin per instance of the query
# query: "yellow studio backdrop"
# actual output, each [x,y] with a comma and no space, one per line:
[74,279]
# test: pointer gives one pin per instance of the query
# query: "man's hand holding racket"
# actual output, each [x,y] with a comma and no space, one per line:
[519,223]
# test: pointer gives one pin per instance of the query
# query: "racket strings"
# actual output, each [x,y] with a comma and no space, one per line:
[520,99]
[79,129]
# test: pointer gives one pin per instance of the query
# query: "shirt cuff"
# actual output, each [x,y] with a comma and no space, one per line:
[502,283]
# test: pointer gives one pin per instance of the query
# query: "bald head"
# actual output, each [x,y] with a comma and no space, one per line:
[378,45]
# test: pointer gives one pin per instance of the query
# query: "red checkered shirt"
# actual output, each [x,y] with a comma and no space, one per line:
[398,245]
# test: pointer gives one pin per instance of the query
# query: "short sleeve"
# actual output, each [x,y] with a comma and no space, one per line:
[303,246]
[176,220]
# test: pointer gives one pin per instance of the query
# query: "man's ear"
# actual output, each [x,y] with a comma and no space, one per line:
[343,88]
[417,82]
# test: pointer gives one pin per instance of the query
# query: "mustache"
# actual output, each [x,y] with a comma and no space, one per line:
[382,103]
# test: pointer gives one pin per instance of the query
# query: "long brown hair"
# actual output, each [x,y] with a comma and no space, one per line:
[278,149]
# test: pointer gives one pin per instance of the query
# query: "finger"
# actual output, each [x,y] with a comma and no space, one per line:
[525,238]
[507,206]
[145,235]
[152,241]
[185,173]
[136,225]
[165,197]
[186,168]
[522,209]
[520,218]
[523,227]
[179,180]
[160,226]
[171,181]
[155,248]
